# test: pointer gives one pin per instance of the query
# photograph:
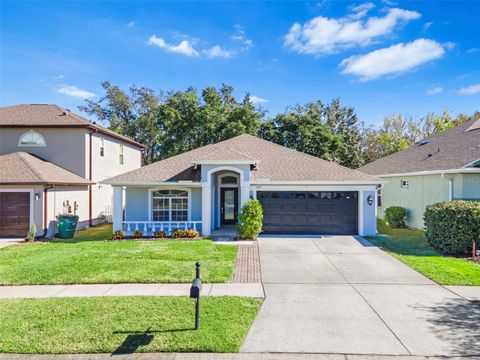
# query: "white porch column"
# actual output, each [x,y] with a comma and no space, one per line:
[206,208]
[117,208]
[360,213]
[244,193]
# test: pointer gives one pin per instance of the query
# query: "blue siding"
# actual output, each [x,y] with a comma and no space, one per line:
[136,204]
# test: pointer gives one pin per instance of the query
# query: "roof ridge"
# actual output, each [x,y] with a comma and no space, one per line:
[20,155]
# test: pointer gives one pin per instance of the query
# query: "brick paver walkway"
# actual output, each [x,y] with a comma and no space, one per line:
[247,268]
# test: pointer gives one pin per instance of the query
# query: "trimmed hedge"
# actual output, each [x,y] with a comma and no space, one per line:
[452,226]
[396,216]
[250,219]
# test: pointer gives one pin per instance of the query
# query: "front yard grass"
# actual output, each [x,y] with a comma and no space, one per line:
[87,260]
[124,324]
[411,247]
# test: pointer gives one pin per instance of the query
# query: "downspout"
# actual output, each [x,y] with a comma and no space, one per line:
[90,222]
[45,209]
[450,186]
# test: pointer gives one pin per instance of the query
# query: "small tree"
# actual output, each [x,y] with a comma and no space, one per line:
[250,219]
[32,232]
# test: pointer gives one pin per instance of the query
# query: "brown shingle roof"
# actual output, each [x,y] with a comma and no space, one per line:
[277,163]
[451,149]
[47,115]
[24,168]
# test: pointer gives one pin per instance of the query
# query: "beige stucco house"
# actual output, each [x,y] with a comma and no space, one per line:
[52,162]
[445,166]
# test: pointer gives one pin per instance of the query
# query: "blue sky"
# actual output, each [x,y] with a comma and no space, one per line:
[380,57]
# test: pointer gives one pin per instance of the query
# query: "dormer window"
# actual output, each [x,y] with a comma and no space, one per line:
[32,138]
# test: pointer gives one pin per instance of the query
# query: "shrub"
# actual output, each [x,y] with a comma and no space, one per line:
[250,219]
[117,235]
[396,216]
[453,226]
[178,233]
[138,234]
[32,232]
[160,234]
[191,233]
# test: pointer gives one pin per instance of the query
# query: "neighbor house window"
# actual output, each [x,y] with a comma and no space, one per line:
[404,183]
[102,147]
[121,154]
[379,197]
[32,138]
[170,205]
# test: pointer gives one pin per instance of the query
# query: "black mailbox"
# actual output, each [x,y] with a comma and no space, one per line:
[196,289]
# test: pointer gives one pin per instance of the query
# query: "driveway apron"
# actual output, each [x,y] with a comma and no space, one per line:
[341,294]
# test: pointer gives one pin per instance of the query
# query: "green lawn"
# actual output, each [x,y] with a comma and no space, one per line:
[411,247]
[87,260]
[124,324]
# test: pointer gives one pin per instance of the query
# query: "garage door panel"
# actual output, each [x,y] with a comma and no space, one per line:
[310,212]
[14,214]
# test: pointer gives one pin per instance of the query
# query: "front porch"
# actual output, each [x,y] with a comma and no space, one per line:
[210,206]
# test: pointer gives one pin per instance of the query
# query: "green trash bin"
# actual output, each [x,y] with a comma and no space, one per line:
[67,224]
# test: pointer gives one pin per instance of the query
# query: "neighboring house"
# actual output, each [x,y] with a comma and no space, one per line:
[445,166]
[51,162]
[205,189]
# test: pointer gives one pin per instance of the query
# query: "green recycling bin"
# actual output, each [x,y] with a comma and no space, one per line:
[67,224]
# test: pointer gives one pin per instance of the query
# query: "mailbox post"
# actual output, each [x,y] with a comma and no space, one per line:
[195,291]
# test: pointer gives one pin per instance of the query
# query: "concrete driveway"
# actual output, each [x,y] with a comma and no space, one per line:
[341,294]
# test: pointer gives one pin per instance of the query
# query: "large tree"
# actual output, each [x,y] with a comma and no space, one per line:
[176,122]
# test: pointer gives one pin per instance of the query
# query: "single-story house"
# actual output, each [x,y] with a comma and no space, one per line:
[205,189]
[445,166]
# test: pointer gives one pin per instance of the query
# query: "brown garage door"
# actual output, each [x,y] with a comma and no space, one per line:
[14,214]
[309,212]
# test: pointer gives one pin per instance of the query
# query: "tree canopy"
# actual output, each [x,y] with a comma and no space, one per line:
[178,121]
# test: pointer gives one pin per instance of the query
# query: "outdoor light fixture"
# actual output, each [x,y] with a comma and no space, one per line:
[37,196]
[370,200]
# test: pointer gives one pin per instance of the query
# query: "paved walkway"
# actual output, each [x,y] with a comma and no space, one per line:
[247,266]
[470,293]
[341,294]
[216,356]
[44,291]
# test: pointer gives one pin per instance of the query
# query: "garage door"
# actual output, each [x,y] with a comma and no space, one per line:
[309,212]
[14,214]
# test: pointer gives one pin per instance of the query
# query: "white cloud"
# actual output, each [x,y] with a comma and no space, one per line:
[184,47]
[241,37]
[58,77]
[473,50]
[257,100]
[217,51]
[393,60]
[434,90]
[361,10]
[322,35]
[75,92]
[427,25]
[131,24]
[470,90]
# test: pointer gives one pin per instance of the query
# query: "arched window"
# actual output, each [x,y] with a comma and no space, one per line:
[170,205]
[32,138]
[229,180]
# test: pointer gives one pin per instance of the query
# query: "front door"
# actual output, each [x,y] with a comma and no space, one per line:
[229,205]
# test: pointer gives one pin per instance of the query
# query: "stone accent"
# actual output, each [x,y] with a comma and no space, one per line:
[247,267]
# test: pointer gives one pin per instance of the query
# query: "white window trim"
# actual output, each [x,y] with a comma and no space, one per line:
[189,199]
[31,200]
[31,145]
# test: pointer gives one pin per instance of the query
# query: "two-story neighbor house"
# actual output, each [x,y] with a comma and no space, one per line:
[52,162]
[445,166]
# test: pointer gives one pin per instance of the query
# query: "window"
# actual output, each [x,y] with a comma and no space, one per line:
[121,154]
[379,197]
[170,205]
[32,138]
[229,180]
[102,147]
[404,183]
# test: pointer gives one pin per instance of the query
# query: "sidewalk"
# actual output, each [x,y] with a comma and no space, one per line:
[470,293]
[254,290]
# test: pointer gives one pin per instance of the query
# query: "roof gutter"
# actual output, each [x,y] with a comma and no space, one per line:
[434,172]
